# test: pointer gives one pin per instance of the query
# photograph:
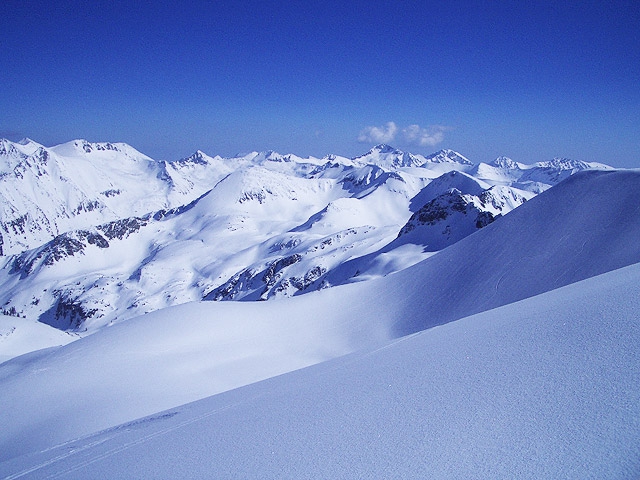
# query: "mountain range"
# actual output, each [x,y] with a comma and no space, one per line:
[96,233]
[425,316]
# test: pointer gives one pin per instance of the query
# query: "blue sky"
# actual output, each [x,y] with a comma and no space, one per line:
[530,80]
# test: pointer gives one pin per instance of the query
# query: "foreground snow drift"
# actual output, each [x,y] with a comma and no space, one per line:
[171,357]
[542,388]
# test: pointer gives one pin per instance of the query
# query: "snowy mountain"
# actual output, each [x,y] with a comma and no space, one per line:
[448,156]
[532,369]
[459,205]
[97,233]
[45,192]
[534,178]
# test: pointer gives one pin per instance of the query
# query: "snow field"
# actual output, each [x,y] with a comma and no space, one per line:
[542,388]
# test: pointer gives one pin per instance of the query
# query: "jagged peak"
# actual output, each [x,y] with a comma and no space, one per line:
[198,157]
[25,147]
[385,148]
[505,162]
[382,148]
[390,157]
[563,163]
[447,155]
[26,141]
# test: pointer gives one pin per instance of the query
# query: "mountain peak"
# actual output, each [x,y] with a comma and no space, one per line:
[26,141]
[566,163]
[26,146]
[447,155]
[199,157]
[384,148]
[504,162]
[99,149]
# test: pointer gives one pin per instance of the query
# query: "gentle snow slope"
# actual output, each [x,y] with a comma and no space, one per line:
[178,355]
[19,336]
[543,388]
[171,357]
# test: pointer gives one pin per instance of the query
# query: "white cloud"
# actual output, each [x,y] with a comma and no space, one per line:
[412,135]
[430,136]
[384,134]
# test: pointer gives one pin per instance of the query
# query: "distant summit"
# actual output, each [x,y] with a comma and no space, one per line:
[505,162]
[384,148]
[386,155]
[448,156]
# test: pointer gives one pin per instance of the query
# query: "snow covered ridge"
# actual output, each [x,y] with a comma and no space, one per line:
[48,191]
[96,233]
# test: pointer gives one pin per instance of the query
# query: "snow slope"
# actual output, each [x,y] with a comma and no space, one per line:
[174,356]
[19,336]
[542,388]
[585,226]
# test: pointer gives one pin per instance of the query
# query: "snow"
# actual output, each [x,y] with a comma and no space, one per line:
[19,336]
[170,357]
[448,156]
[512,352]
[540,382]
[543,388]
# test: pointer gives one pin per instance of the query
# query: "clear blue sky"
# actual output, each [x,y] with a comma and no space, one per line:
[530,80]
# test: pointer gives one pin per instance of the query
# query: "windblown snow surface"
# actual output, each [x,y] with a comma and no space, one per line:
[531,369]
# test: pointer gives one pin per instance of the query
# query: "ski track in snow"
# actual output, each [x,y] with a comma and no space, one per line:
[78,447]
